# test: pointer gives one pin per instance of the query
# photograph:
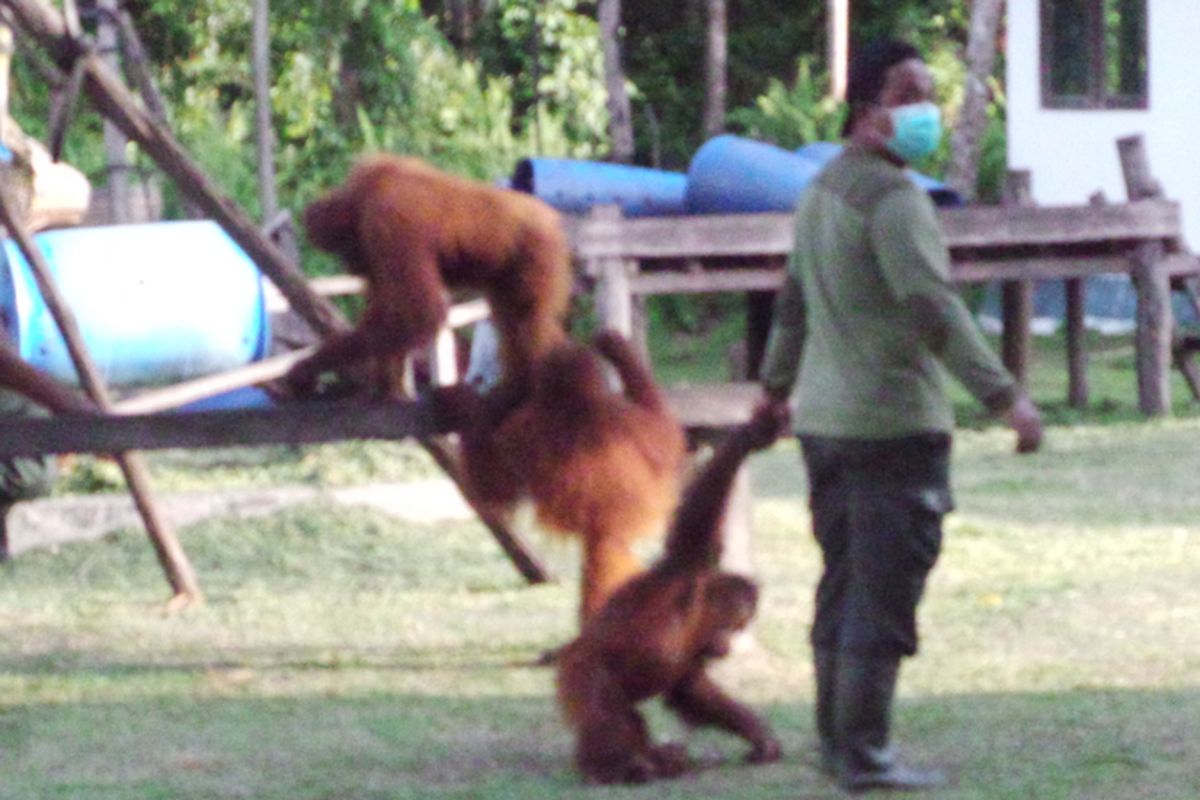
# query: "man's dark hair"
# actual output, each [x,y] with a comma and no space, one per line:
[868,73]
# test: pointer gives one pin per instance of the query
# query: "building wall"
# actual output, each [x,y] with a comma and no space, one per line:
[1072,154]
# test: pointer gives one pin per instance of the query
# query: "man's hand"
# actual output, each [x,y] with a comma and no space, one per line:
[774,402]
[1026,420]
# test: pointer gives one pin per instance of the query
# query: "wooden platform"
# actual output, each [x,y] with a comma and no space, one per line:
[629,259]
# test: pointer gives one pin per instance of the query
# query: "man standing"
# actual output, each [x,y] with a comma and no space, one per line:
[864,325]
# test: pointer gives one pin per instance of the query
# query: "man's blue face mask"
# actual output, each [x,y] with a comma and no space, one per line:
[917,129]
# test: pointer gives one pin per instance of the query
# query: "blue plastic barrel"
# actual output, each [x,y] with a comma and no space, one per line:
[234,399]
[157,302]
[941,194]
[574,187]
[734,175]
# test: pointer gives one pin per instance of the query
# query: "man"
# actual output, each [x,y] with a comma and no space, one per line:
[868,303]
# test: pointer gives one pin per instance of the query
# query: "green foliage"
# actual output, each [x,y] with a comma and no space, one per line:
[664,51]
[793,116]
[550,53]
[993,152]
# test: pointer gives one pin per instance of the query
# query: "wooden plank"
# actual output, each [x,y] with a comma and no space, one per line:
[713,405]
[1180,264]
[964,270]
[299,423]
[181,394]
[707,280]
[980,270]
[683,237]
[991,227]
[1024,226]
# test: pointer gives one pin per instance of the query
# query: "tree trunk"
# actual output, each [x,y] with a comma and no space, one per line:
[263,129]
[715,68]
[972,122]
[115,141]
[620,118]
[837,31]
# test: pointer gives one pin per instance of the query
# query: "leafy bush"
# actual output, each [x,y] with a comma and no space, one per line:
[792,116]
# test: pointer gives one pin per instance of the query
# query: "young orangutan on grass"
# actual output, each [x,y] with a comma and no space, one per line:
[659,631]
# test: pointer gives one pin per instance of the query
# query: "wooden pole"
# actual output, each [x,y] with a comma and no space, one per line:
[1077,382]
[614,296]
[115,142]
[1016,298]
[837,23]
[1155,323]
[166,545]
[180,394]
[264,133]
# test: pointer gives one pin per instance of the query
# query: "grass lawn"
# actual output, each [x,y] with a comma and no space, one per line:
[350,655]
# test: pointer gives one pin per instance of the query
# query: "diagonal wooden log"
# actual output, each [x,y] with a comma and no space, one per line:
[170,553]
[45,24]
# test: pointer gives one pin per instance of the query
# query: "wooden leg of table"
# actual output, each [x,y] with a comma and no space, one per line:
[1017,316]
[1077,383]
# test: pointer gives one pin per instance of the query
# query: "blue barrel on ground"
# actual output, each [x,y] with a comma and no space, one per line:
[574,187]
[156,302]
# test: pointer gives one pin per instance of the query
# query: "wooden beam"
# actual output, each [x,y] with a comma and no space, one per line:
[298,423]
[733,280]
[683,237]
[1155,321]
[698,406]
[994,228]
[1027,226]
[712,406]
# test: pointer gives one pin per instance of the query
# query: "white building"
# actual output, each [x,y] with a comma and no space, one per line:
[1083,73]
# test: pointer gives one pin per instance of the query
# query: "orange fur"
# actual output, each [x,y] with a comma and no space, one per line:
[597,464]
[414,232]
[658,632]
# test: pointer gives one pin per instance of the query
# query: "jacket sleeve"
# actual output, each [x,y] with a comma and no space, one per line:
[785,342]
[908,242]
